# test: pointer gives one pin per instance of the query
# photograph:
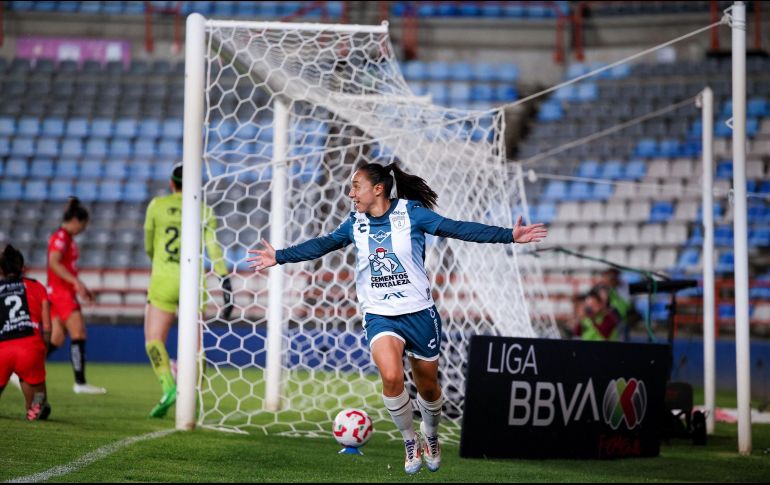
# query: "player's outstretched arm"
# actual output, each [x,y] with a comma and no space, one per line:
[264,258]
[527,234]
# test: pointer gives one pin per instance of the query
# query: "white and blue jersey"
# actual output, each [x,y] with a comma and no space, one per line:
[390,253]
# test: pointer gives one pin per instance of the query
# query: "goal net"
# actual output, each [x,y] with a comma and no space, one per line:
[289,111]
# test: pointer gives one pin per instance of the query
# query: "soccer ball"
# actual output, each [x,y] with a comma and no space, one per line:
[352,428]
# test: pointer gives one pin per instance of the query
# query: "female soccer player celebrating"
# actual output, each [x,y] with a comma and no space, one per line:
[409,322]
[64,288]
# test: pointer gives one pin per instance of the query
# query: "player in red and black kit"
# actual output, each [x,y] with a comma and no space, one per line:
[25,328]
[64,288]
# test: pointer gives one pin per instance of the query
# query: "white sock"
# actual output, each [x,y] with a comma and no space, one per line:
[400,409]
[431,413]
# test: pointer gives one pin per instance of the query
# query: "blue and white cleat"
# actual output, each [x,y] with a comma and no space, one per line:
[431,450]
[413,460]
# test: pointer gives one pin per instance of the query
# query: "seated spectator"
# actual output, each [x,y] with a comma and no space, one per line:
[596,319]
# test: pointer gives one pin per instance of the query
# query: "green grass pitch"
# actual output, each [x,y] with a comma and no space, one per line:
[81,424]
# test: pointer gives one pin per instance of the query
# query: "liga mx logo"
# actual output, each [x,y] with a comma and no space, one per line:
[624,402]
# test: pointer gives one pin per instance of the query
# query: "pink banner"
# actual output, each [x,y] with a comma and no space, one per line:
[74,49]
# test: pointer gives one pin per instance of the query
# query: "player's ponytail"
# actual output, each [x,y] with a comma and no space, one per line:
[412,187]
[408,186]
[75,210]
[11,262]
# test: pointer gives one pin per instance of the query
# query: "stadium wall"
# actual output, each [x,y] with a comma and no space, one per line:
[125,344]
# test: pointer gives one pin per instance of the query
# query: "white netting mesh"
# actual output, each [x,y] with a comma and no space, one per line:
[348,103]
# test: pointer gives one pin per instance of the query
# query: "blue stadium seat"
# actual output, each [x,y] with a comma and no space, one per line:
[482,92]
[545,213]
[91,169]
[723,236]
[149,128]
[689,258]
[661,211]
[580,191]
[126,128]
[7,126]
[53,127]
[96,148]
[459,91]
[67,168]
[461,71]
[726,311]
[77,127]
[587,92]
[415,70]
[170,149]
[60,190]
[23,147]
[42,168]
[116,170]
[507,73]
[725,263]
[758,107]
[646,147]
[759,237]
[140,170]
[439,92]
[120,148]
[438,71]
[612,169]
[162,170]
[669,148]
[635,170]
[506,92]
[91,7]
[110,191]
[566,93]
[555,190]
[102,128]
[484,72]
[136,192]
[85,190]
[755,211]
[48,147]
[550,111]
[603,191]
[145,148]
[576,70]
[724,170]
[28,127]
[16,168]
[10,190]
[172,129]
[36,190]
[588,169]
[717,212]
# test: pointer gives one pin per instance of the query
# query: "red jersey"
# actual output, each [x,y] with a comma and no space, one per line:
[36,295]
[63,242]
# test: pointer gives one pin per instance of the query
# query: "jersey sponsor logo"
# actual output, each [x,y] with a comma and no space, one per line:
[390,296]
[384,263]
[380,236]
[387,271]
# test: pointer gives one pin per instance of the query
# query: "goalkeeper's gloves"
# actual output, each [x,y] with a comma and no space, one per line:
[227,296]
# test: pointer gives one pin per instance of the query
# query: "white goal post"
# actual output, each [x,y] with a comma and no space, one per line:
[277,115]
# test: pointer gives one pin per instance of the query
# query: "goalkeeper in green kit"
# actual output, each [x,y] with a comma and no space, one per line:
[162,238]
